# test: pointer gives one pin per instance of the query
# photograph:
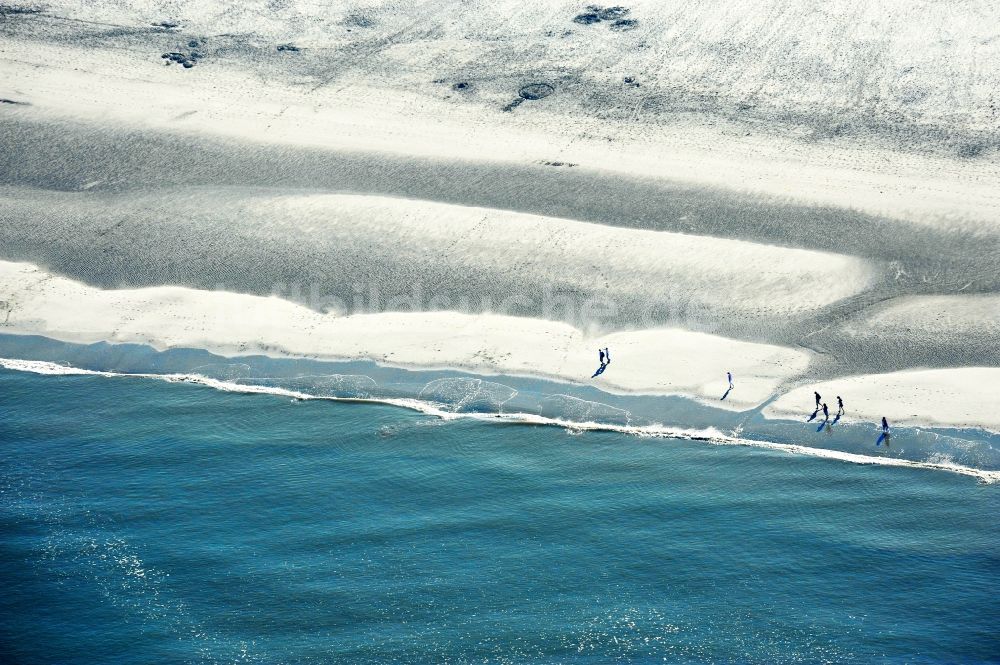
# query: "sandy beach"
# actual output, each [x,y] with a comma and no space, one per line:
[657,361]
[500,189]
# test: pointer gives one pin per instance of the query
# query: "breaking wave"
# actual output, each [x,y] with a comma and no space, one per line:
[476,399]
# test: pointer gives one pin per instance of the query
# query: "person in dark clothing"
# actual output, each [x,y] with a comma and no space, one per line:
[818,399]
[826,412]
[840,406]
[729,377]
[600,356]
[884,436]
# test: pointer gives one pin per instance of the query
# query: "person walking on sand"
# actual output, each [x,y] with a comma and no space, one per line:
[826,412]
[840,406]
[605,358]
[729,377]
[818,399]
[607,355]
[885,426]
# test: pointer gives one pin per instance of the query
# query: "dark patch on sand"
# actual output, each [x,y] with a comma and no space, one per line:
[358,21]
[13,101]
[631,82]
[596,14]
[187,61]
[461,85]
[530,92]
[566,164]
[169,25]
[291,48]
[971,150]
[613,13]
[534,91]
[624,24]
[11,9]
[513,105]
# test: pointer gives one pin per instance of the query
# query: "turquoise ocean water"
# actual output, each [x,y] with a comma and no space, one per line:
[146,521]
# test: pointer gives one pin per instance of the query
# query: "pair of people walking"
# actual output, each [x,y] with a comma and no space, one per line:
[604,356]
[820,404]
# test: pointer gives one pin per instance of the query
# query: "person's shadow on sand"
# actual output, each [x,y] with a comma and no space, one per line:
[883,437]
[600,370]
[813,416]
[726,394]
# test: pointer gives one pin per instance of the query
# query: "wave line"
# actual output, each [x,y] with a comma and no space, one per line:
[708,435]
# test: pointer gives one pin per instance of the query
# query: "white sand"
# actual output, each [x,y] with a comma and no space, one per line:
[958,397]
[407,116]
[665,361]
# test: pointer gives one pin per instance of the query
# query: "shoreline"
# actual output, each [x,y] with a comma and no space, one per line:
[709,435]
[645,362]
[927,397]
[654,362]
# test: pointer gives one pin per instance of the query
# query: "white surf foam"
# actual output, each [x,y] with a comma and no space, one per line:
[50,368]
[714,436]
[43,367]
[707,435]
